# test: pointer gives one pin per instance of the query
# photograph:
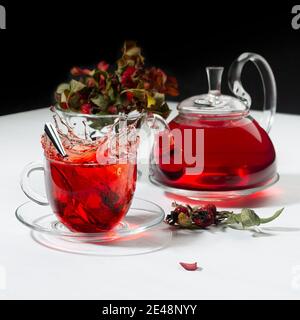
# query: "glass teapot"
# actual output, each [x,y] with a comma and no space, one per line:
[214,145]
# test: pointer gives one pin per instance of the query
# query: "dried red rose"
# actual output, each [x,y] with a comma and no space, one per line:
[173,217]
[103,66]
[76,71]
[102,82]
[131,86]
[91,82]
[112,110]
[205,216]
[157,80]
[127,77]
[129,96]
[183,209]
[171,87]
[64,105]
[86,108]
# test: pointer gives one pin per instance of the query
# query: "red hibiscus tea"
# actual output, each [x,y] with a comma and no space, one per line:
[246,163]
[90,197]
[86,192]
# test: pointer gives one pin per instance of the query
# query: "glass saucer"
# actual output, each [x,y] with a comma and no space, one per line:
[142,216]
[206,195]
[145,242]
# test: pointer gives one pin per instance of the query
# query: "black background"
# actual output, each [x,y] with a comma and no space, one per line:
[43,40]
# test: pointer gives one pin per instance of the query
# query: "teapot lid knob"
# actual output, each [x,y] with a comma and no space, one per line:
[214,78]
[213,103]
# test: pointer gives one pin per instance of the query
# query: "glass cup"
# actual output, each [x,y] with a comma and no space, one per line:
[87,196]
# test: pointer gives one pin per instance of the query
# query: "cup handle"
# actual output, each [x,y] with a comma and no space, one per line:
[157,122]
[25,183]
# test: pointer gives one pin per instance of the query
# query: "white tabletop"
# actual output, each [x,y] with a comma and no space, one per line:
[235,264]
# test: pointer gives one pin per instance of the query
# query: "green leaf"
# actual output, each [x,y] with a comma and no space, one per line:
[163,110]
[159,98]
[64,96]
[99,123]
[76,86]
[119,100]
[74,101]
[111,94]
[62,87]
[150,101]
[249,218]
[273,217]
[233,218]
[134,51]
[100,101]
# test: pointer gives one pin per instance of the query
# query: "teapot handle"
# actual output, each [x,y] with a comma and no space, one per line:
[268,80]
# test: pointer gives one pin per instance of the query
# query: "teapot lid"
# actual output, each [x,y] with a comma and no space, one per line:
[214,103]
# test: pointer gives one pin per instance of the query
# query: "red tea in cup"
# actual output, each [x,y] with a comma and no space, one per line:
[91,189]
[89,197]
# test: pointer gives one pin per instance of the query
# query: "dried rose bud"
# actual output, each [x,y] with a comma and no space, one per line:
[129,96]
[91,82]
[103,66]
[212,210]
[179,208]
[127,77]
[203,218]
[185,220]
[172,218]
[76,71]
[64,105]
[112,109]
[86,108]
[147,85]
[102,82]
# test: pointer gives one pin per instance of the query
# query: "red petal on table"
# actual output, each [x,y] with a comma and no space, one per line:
[189,266]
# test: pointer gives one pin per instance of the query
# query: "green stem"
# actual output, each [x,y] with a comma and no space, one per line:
[273,217]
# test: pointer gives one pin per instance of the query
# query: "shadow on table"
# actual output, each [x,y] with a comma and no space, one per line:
[263,231]
[285,192]
[181,237]
[143,243]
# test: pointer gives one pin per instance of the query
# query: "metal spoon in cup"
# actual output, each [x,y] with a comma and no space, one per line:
[54,137]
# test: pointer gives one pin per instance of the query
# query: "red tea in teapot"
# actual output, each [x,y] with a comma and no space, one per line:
[237,154]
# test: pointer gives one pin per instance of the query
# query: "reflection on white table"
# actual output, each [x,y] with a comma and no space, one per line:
[235,264]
